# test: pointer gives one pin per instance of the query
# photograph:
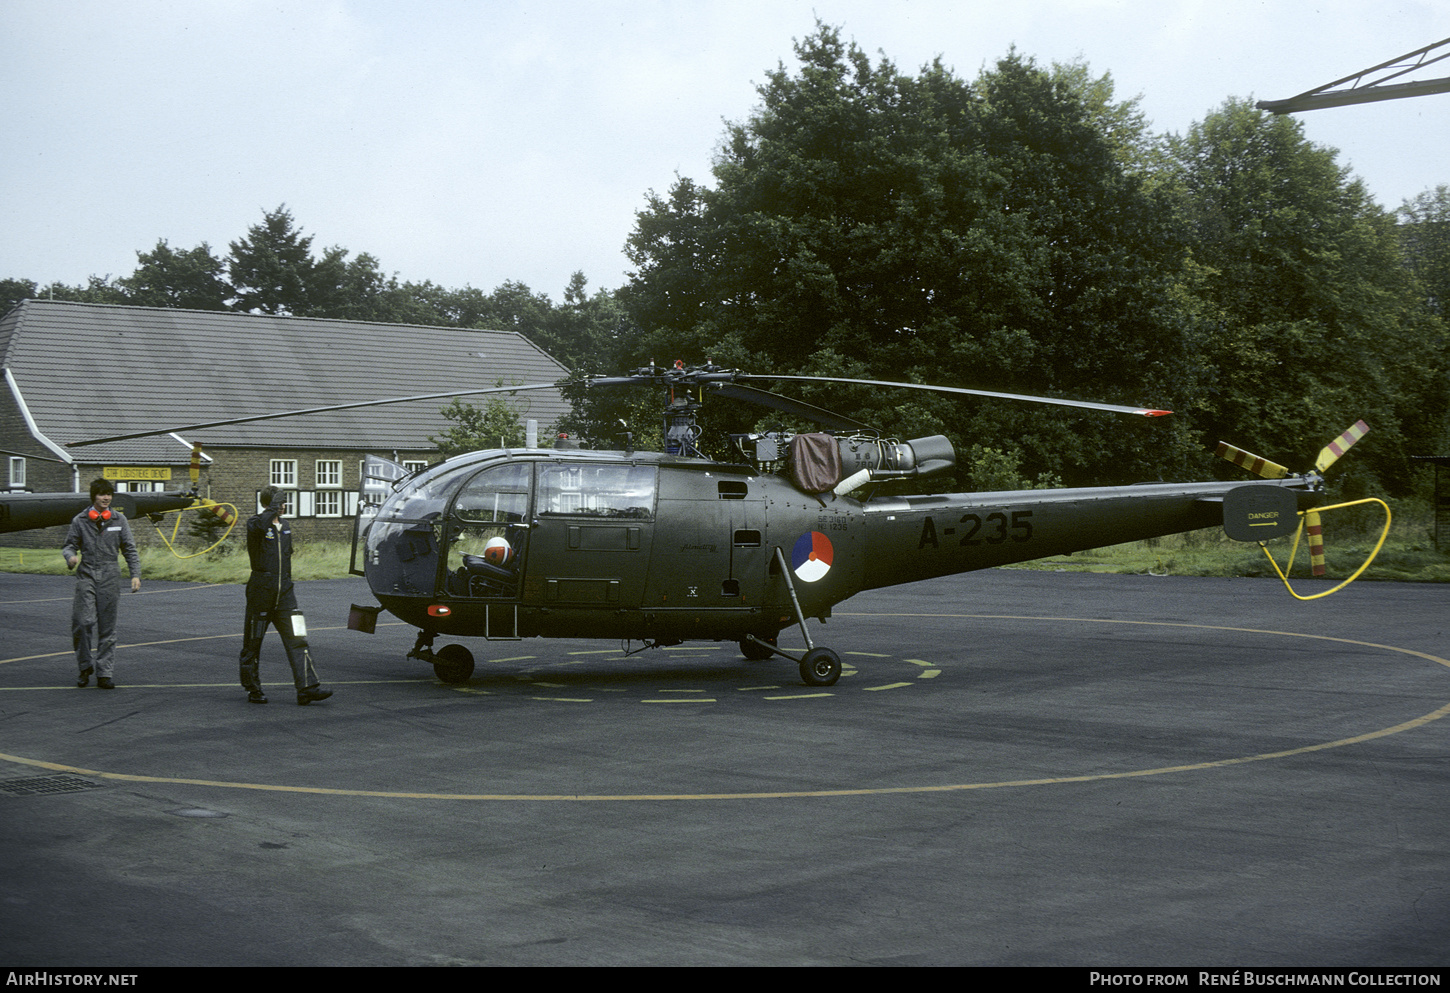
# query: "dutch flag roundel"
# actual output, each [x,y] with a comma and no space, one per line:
[810,559]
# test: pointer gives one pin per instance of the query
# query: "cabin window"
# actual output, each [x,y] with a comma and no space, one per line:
[499,495]
[617,492]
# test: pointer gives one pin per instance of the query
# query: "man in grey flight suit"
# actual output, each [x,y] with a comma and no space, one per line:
[272,600]
[96,536]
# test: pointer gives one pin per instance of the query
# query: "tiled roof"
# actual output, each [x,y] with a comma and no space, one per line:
[94,370]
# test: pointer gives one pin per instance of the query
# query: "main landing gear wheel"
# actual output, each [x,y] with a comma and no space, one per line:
[453,664]
[820,667]
[754,652]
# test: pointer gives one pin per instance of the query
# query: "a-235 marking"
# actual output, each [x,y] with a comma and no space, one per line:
[993,529]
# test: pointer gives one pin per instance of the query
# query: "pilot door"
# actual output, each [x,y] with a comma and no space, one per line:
[590,544]
[488,544]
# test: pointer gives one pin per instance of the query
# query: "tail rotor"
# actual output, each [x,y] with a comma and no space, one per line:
[1310,522]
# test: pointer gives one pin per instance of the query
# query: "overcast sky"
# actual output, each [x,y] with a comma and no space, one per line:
[469,143]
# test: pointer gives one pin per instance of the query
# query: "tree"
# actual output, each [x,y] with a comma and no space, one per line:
[870,223]
[272,267]
[1425,235]
[1312,319]
[168,278]
[12,291]
[495,425]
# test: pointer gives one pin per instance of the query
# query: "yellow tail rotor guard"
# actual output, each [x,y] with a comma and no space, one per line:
[1320,511]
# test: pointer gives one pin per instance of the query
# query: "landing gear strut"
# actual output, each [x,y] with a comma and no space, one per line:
[818,666]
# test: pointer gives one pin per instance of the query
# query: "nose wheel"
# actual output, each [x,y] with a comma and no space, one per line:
[453,664]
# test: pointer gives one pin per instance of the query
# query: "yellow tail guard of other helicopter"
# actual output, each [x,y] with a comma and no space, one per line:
[1253,463]
[1340,445]
[1310,518]
[227,512]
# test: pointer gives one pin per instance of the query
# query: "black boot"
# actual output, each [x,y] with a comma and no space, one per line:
[311,695]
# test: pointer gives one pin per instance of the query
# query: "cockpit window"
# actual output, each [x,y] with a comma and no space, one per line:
[499,495]
[420,501]
[621,492]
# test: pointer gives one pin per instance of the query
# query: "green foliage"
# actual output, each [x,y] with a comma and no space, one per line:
[272,267]
[1309,320]
[872,223]
[165,277]
[1425,237]
[494,425]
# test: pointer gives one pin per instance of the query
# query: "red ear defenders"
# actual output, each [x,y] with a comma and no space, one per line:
[98,515]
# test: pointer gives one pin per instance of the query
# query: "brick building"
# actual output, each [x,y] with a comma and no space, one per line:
[75,372]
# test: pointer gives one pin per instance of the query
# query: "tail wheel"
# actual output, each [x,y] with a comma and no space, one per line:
[820,667]
[453,664]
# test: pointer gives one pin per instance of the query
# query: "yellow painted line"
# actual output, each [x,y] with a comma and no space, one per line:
[873,655]
[888,686]
[920,662]
[799,696]
[929,674]
[679,691]
[770,795]
[755,689]
[1417,722]
[561,699]
[693,699]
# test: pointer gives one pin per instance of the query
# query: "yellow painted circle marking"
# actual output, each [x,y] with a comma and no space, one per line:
[1409,725]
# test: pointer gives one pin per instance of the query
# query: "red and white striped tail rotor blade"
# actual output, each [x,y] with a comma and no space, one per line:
[1251,462]
[1340,445]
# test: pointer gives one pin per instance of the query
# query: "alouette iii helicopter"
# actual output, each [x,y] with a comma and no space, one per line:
[666,547]
[663,548]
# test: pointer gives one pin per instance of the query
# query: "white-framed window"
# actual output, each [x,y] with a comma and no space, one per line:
[416,465]
[289,508]
[284,472]
[327,503]
[140,486]
[329,473]
[17,472]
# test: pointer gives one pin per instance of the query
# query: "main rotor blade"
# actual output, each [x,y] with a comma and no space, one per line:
[314,410]
[1085,404]
[800,408]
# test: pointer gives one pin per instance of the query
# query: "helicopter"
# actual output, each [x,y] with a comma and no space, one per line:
[674,546]
[667,547]
[31,511]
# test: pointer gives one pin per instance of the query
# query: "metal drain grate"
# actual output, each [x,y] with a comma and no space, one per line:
[46,784]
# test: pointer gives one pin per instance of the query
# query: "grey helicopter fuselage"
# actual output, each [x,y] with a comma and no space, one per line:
[661,548]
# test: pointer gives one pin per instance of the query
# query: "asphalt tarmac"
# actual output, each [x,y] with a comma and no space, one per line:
[1018,768]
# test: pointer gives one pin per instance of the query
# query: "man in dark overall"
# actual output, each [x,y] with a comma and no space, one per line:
[271,600]
[96,536]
